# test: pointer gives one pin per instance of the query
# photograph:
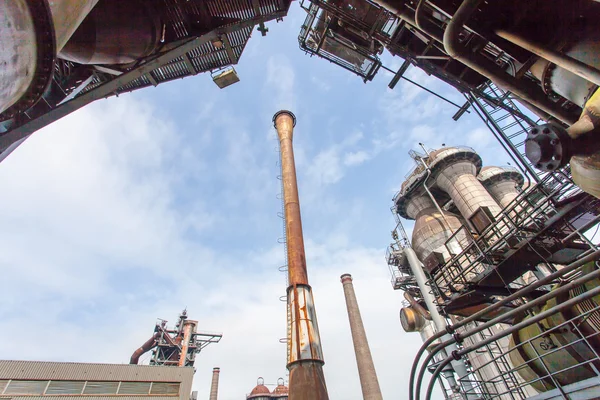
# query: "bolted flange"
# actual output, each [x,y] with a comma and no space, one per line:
[548,147]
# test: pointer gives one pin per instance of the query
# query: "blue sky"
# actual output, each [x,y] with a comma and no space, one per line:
[138,206]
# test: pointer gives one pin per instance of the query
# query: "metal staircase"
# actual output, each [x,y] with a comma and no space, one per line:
[507,122]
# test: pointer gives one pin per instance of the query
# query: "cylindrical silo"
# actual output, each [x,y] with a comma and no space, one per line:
[455,172]
[504,184]
[432,229]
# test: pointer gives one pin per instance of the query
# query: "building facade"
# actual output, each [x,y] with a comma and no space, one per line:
[60,380]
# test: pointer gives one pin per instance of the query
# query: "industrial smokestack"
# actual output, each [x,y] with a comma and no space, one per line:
[189,327]
[214,386]
[366,370]
[305,360]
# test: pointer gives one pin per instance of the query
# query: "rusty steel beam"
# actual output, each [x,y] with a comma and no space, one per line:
[305,362]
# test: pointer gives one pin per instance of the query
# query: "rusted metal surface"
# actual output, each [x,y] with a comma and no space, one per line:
[305,343]
[307,381]
[150,343]
[214,385]
[188,327]
[305,361]
[284,123]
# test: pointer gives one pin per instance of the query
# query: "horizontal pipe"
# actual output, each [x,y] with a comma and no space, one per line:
[528,91]
[534,319]
[514,312]
[520,293]
[527,306]
[570,64]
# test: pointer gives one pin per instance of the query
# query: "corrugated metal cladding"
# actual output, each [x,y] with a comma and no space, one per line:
[95,379]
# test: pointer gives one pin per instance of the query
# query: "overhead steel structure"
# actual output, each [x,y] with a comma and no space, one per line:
[61,55]
[511,272]
[542,54]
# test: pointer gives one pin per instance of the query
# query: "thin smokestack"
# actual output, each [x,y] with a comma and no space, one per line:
[305,361]
[214,386]
[366,370]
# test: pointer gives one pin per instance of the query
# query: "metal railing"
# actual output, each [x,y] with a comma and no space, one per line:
[551,352]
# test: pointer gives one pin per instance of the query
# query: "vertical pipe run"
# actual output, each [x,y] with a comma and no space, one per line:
[187,335]
[305,364]
[366,369]
[214,386]
[458,366]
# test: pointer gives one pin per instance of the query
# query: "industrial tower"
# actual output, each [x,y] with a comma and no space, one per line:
[500,279]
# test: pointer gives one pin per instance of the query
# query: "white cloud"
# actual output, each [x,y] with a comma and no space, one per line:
[356,158]
[281,77]
[326,167]
[97,245]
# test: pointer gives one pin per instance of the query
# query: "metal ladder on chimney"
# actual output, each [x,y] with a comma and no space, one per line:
[507,123]
[284,268]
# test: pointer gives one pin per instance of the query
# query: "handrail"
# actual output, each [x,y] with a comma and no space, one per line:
[518,294]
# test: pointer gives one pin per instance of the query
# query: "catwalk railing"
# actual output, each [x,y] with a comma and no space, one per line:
[551,347]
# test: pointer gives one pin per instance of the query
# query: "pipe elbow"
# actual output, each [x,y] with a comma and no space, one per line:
[451,41]
[135,357]
[419,308]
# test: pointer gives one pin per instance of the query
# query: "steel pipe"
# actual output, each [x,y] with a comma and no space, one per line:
[528,91]
[185,344]
[520,293]
[416,268]
[527,306]
[570,64]
[418,307]
[534,319]
[149,344]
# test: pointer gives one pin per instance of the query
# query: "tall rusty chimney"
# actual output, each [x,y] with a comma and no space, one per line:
[214,386]
[366,370]
[189,328]
[305,356]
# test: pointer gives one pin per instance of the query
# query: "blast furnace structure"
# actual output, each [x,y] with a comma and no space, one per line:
[178,346]
[499,280]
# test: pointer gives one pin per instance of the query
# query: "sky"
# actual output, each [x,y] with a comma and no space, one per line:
[136,207]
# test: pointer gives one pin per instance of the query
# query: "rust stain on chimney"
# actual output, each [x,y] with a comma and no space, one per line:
[305,363]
